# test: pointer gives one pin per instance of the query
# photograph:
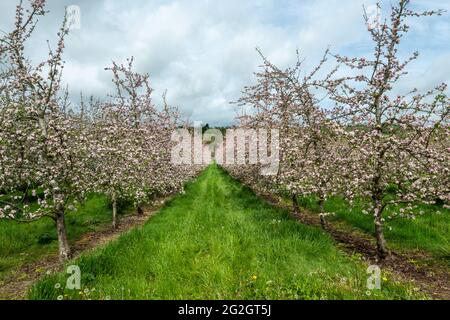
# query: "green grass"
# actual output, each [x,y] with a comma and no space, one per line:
[429,232]
[22,243]
[219,241]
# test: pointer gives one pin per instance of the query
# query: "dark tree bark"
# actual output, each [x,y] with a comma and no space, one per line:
[382,249]
[295,205]
[114,211]
[63,244]
[323,222]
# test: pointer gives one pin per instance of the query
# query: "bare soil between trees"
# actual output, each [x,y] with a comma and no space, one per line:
[16,286]
[430,278]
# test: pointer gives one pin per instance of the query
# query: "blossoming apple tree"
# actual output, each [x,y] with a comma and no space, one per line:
[43,150]
[400,154]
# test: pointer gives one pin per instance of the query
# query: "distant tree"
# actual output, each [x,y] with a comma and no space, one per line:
[205,128]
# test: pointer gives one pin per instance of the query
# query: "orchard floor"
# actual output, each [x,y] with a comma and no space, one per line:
[220,241]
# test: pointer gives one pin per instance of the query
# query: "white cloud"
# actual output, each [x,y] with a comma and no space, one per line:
[83,78]
[203,51]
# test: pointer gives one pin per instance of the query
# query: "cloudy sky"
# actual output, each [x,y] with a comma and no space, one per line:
[203,51]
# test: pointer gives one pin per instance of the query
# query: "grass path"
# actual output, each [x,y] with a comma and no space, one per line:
[220,241]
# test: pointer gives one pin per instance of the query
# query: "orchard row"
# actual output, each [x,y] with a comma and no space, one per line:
[52,158]
[347,131]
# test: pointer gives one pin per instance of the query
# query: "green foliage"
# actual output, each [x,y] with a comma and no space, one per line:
[46,238]
[122,204]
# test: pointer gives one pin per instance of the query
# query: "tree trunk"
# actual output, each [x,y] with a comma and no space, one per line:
[295,205]
[63,243]
[139,211]
[323,222]
[114,211]
[382,250]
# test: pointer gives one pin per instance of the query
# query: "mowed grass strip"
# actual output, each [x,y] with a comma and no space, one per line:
[220,241]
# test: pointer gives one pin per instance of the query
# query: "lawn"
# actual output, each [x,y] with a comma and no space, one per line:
[220,241]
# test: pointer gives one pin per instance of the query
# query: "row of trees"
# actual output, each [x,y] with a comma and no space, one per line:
[52,157]
[359,139]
